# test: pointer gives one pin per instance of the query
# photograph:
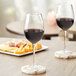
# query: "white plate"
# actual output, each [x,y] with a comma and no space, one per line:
[43,48]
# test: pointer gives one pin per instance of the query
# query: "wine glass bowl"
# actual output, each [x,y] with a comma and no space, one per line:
[34,29]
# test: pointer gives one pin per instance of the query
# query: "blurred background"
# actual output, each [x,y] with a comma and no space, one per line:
[15,10]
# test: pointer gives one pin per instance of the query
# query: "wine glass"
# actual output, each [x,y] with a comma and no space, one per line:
[64,19]
[34,30]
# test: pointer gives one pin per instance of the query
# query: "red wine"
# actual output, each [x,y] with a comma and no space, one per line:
[33,35]
[65,23]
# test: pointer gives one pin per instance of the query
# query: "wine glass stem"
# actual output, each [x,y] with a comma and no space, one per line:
[64,41]
[33,54]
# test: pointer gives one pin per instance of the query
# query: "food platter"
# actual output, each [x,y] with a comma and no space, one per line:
[42,49]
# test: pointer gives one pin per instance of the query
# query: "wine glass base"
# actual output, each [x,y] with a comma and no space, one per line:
[65,54]
[33,70]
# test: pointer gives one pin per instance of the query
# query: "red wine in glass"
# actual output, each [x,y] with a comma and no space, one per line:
[65,23]
[33,35]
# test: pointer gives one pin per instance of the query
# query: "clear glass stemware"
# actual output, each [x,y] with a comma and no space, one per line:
[64,19]
[34,30]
